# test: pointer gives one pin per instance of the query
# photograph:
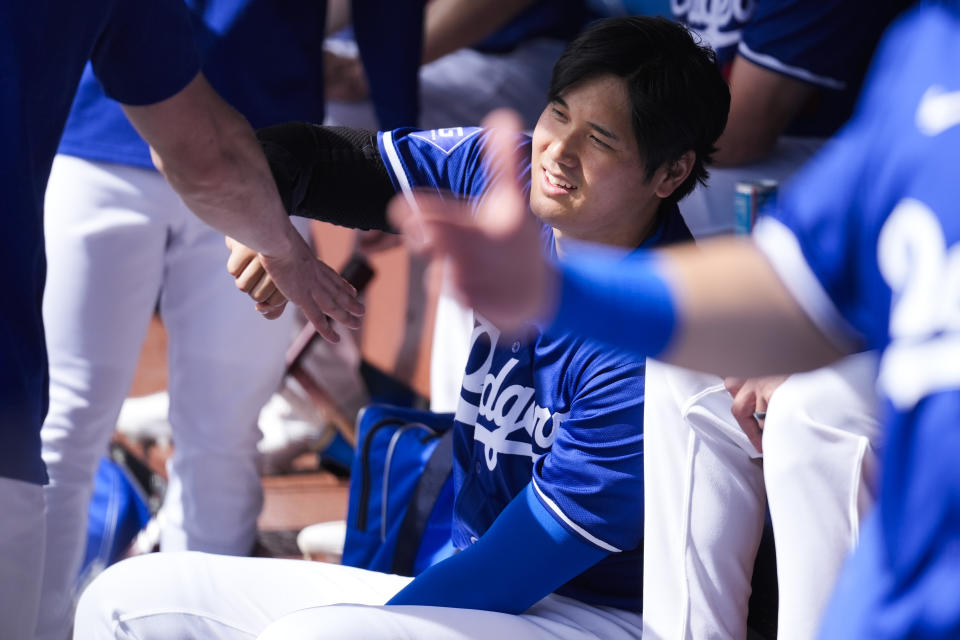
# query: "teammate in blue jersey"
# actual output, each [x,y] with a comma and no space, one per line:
[143,54]
[861,253]
[548,440]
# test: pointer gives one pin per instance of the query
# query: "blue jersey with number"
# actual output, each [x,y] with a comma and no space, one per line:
[555,408]
[868,239]
[826,43]
[142,52]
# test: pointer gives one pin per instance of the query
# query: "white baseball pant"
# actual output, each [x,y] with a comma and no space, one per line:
[120,244]
[194,595]
[21,557]
[707,488]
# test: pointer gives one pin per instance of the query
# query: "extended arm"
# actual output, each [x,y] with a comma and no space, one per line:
[333,174]
[524,556]
[719,308]
[209,154]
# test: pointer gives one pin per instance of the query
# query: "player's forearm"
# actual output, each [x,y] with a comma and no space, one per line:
[332,174]
[233,192]
[210,156]
[524,556]
[718,308]
[736,315]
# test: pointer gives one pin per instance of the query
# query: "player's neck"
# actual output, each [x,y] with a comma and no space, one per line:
[637,228]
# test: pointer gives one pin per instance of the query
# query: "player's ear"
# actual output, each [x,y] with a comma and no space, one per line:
[672,174]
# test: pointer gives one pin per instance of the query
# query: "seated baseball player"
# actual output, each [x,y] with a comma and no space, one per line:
[548,444]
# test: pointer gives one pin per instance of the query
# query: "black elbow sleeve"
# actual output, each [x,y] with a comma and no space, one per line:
[334,174]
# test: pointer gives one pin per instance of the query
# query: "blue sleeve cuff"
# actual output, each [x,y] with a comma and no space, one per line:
[621,301]
[523,557]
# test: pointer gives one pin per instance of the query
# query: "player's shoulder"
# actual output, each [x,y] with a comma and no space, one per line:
[588,363]
[446,140]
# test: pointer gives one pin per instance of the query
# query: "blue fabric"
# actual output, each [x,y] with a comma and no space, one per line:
[143,53]
[266,59]
[524,525]
[371,540]
[831,39]
[118,511]
[639,292]
[554,407]
[878,221]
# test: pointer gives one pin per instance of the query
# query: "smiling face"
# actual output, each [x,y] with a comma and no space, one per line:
[588,178]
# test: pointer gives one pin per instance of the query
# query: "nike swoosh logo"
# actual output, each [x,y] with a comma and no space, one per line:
[938,111]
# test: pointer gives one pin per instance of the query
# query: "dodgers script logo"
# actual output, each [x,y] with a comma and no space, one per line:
[506,415]
[718,22]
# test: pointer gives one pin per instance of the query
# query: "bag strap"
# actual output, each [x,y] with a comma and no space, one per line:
[435,474]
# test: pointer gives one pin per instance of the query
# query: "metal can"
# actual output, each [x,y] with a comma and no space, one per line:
[750,199]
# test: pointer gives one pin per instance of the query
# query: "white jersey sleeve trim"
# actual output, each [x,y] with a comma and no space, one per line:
[573,525]
[780,246]
[770,62]
[393,158]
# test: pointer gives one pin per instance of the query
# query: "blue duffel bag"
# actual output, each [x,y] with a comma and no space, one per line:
[400,509]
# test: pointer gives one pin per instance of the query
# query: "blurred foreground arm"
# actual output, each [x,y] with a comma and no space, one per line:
[719,308]
[208,153]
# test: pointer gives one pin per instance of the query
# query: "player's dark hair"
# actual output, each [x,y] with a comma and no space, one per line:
[679,98]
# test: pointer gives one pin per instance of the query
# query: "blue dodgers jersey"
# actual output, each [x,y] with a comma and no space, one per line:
[827,44]
[868,239]
[558,409]
[143,52]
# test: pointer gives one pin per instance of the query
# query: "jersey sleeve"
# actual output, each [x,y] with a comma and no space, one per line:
[813,244]
[450,161]
[146,51]
[524,556]
[826,43]
[591,480]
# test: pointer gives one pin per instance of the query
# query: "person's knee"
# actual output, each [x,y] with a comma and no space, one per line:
[333,621]
[121,588]
[99,604]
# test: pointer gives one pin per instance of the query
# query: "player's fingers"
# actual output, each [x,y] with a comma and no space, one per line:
[240,257]
[753,432]
[275,299]
[734,385]
[434,224]
[264,289]
[760,411]
[341,300]
[250,276]
[334,305]
[271,312]
[320,321]
[504,208]
[743,407]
